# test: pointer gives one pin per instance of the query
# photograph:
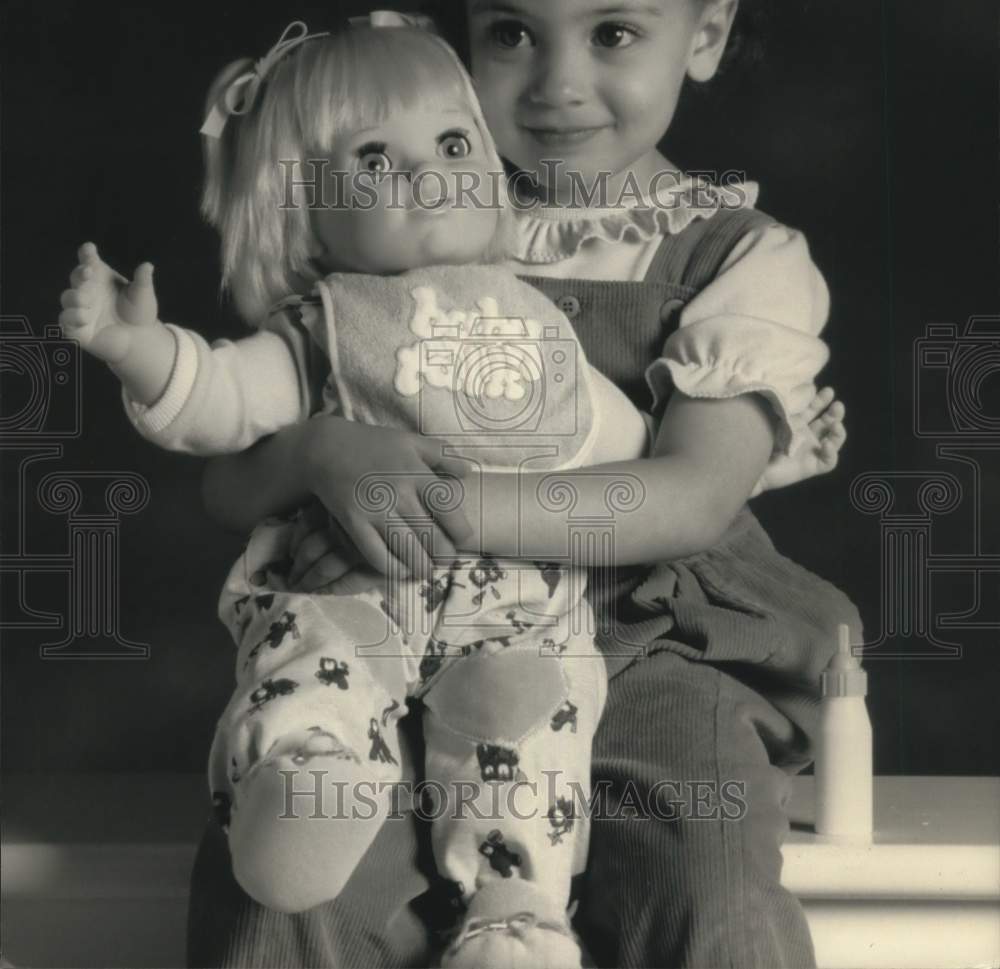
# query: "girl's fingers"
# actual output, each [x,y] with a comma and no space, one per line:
[818,404]
[411,509]
[308,552]
[341,541]
[405,545]
[360,579]
[456,525]
[87,252]
[431,449]
[452,466]
[329,568]
[373,549]
[445,501]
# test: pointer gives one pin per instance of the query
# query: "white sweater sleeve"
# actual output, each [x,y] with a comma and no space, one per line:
[222,398]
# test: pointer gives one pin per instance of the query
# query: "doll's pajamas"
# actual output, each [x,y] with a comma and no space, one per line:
[500,653]
[306,760]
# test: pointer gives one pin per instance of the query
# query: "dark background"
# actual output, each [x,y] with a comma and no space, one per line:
[871,126]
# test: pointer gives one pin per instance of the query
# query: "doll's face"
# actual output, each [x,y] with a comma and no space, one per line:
[412,191]
[591,83]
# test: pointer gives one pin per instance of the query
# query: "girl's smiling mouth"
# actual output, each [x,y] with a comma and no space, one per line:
[568,135]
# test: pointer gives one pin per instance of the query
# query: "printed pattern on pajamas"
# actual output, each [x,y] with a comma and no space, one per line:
[511,691]
[511,696]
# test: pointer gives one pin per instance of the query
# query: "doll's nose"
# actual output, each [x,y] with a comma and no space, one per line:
[430,188]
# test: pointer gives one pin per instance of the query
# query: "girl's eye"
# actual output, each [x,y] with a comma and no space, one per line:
[374,161]
[613,35]
[454,145]
[509,34]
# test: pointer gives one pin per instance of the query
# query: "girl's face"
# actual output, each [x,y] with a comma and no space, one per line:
[592,83]
[412,191]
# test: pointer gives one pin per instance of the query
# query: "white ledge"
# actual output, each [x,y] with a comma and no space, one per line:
[937,839]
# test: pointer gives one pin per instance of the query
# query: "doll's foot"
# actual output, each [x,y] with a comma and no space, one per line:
[510,924]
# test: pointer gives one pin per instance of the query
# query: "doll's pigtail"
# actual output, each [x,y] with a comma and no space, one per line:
[219,153]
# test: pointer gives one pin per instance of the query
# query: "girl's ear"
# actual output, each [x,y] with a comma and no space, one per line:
[710,39]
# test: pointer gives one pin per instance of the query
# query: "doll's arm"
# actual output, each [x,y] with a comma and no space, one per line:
[180,393]
[115,320]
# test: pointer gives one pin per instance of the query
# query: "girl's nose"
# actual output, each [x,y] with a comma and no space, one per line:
[558,80]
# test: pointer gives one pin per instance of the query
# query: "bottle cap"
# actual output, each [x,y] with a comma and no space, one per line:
[844,675]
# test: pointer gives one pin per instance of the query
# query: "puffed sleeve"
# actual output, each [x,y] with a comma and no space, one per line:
[754,329]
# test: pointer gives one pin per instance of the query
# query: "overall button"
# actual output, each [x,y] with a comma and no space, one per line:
[570,305]
[669,308]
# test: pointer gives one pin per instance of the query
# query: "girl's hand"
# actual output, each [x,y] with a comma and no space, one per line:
[102,310]
[819,449]
[380,485]
[324,557]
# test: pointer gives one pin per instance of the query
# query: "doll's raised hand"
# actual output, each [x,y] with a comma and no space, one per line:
[101,307]
[115,319]
[818,450]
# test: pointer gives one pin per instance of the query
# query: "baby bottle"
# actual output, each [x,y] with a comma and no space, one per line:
[844,756]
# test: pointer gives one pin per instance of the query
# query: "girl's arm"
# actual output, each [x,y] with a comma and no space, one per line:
[707,456]
[333,458]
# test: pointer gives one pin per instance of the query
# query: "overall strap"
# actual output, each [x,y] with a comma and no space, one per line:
[694,256]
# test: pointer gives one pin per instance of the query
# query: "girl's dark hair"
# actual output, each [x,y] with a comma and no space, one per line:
[747,39]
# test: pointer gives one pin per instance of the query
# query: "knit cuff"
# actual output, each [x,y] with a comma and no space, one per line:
[161,414]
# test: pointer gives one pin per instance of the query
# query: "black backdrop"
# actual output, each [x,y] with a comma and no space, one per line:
[871,126]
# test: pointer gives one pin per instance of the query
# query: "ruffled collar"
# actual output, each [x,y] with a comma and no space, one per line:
[550,233]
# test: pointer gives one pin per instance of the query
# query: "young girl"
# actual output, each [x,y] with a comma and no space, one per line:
[719,307]
[410,326]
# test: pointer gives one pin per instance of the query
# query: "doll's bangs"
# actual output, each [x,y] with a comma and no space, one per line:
[362,76]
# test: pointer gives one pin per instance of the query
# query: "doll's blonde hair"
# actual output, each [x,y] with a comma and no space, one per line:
[352,78]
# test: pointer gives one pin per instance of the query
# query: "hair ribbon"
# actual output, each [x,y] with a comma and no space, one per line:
[240,95]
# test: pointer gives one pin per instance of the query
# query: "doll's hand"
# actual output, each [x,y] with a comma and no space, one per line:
[379,483]
[102,310]
[818,450]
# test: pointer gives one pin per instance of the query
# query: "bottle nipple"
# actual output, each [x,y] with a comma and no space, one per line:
[843,675]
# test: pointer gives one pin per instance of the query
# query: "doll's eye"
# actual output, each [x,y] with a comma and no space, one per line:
[454,145]
[613,35]
[509,34]
[373,160]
